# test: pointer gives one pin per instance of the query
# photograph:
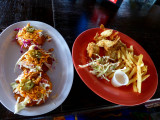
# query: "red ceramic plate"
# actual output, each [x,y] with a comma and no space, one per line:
[121,95]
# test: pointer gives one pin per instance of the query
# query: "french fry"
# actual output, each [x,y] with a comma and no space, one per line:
[116,38]
[108,73]
[136,57]
[120,61]
[123,51]
[126,70]
[119,55]
[144,73]
[144,68]
[128,73]
[111,75]
[145,77]
[121,66]
[134,79]
[139,74]
[139,79]
[129,57]
[131,49]
[135,87]
[128,63]
[134,60]
[134,70]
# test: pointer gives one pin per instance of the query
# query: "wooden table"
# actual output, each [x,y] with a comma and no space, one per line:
[71,18]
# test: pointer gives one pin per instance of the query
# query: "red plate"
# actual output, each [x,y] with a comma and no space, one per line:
[121,95]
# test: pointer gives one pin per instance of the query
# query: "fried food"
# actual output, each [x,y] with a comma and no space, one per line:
[92,48]
[139,73]
[137,70]
[29,35]
[106,33]
[32,87]
[106,43]
[113,51]
[35,59]
[119,53]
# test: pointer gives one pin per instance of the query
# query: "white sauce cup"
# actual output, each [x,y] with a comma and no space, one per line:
[119,79]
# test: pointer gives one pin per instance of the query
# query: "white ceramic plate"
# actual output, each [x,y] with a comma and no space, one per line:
[61,77]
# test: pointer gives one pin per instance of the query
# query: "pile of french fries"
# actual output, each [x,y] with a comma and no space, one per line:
[134,67]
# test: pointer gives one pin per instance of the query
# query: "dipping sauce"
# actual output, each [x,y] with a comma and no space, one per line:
[119,79]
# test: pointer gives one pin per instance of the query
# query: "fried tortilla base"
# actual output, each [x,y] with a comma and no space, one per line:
[44,67]
[34,103]
[40,41]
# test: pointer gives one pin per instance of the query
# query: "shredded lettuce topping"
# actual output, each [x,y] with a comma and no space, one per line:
[14,85]
[101,66]
[20,106]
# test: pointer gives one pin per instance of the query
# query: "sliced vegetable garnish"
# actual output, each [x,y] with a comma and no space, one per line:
[30,29]
[26,84]
[35,53]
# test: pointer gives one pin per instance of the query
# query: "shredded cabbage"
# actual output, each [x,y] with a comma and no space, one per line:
[101,65]
[26,43]
[14,85]
[21,105]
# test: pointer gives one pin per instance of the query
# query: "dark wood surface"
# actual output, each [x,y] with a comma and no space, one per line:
[71,18]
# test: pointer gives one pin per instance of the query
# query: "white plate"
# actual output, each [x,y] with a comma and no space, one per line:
[61,77]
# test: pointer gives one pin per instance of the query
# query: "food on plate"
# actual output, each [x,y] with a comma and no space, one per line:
[120,78]
[29,35]
[35,59]
[30,89]
[101,65]
[92,48]
[109,54]
[33,86]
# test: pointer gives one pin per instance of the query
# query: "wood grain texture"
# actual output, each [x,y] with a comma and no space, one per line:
[12,11]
